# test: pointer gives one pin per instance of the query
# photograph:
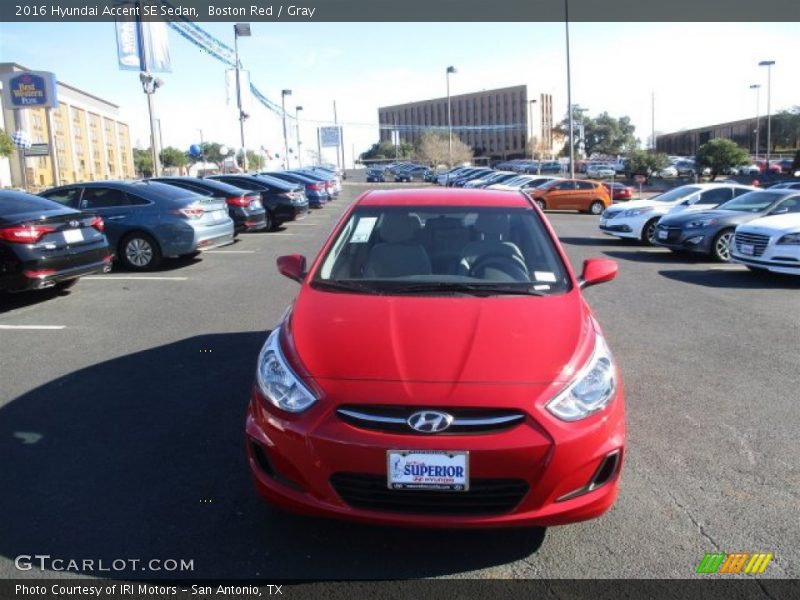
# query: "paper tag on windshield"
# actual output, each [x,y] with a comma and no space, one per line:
[541,287]
[544,276]
[364,230]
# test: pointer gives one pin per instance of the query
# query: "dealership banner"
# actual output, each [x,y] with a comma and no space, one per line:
[329,137]
[156,41]
[29,89]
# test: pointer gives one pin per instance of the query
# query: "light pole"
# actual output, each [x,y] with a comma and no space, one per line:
[285,93]
[202,150]
[240,30]
[582,143]
[768,64]
[297,110]
[150,84]
[569,96]
[757,88]
[450,70]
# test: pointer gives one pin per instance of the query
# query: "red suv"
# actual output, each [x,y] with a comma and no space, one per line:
[440,367]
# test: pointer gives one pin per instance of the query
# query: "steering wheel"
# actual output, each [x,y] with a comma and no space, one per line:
[511,265]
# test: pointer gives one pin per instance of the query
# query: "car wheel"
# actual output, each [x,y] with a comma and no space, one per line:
[540,203]
[269,223]
[721,246]
[65,285]
[139,251]
[596,207]
[649,232]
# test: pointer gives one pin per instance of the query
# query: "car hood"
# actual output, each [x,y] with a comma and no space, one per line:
[641,204]
[730,216]
[774,224]
[510,339]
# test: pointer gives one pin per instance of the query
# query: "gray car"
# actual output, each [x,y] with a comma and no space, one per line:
[146,221]
[711,231]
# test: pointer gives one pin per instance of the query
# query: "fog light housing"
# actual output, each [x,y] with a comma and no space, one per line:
[609,467]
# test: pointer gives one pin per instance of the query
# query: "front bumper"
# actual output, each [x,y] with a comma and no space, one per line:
[625,227]
[296,461]
[769,262]
[692,240]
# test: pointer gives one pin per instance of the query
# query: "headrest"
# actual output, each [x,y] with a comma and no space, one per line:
[493,225]
[396,228]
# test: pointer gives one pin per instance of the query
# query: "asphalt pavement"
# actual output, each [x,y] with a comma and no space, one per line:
[122,415]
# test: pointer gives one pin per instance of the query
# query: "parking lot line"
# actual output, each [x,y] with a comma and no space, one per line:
[131,278]
[32,326]
[728,268]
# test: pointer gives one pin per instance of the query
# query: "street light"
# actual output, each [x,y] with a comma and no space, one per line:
[768,64]
[240,30]
[450,70]
[285,93]
[757,88]
[569,96]
[297,110]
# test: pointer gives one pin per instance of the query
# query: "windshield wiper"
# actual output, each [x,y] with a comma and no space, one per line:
[466,288]
[344,286]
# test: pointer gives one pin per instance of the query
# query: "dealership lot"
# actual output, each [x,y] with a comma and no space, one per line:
[122,409]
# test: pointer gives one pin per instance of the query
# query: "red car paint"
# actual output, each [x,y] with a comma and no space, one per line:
[448,352]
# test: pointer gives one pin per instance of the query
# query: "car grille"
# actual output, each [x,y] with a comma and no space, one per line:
[758,241]
[394,419]
[484,497]
[673,233]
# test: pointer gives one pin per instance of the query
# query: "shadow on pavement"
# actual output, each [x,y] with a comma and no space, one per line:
[23,299]
[603,241]
[142,457]
[735,279]
[657,255]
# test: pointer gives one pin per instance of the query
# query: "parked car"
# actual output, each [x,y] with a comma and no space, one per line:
[44,244]
[637,219]
[551,167]
[600,171]
[412,386]
[619,191]
[333,181]
[750,170]
[411,173]
[446,176]
[491,178]
[669,171]
[786,185]
[314,188]
[512,184]
[244,207]
[769,244]
[462,179]
[375,176]
[710,232]
[284,201]
[146,221]
[582,195]
[686,168]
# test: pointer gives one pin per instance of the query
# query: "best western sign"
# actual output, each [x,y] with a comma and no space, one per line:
[29,89]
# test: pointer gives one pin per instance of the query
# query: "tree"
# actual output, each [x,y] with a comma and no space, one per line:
[720,154]
[434,149]
[255,161]
[388,150]
[641,162]
[6,145]
[143,162]
[603,134]
[172,157]
[785,129]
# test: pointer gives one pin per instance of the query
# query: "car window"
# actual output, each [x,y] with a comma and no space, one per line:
[715,196]
[751,202]
[188,186]
[564,185]
[67,197]
[740,191]
[245,184]
[790,205]
[676,194]
[584,185]
[97,197]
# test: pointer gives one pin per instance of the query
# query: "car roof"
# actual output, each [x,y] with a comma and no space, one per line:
[443,197]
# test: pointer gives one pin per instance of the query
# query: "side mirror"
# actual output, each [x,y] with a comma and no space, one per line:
[292,266]
[597,270]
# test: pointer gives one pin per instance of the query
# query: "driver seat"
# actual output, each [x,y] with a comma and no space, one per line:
[494,230]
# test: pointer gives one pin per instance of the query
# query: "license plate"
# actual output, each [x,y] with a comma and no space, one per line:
[73,235]
[218,215]
[662,235]
[427,470]
[747,249]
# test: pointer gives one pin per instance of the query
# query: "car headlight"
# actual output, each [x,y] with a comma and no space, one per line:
[635,212]
[790,239]
[591,390]
[700,223]
[276,380]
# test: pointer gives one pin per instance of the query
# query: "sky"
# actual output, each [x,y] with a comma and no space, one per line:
[699,73]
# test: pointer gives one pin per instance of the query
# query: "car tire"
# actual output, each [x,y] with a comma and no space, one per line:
[596,208]
[721,246]
[540,203]
[649,232]
[139,251]
[269,223]
[65,285]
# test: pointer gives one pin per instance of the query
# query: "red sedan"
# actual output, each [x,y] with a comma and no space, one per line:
[440,367]
[620,191]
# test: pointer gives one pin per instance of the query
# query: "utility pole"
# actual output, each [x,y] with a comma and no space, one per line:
[285,93]
[757,88]
[243,30]
[338,133]
[149,84]
[297,110]
[569,97]
[653,120]
[768,64]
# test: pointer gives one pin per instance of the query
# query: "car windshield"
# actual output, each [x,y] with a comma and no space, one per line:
[443,251]
[752,202]
[676,194]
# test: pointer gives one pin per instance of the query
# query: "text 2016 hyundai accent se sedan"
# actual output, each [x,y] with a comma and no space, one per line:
[439,367]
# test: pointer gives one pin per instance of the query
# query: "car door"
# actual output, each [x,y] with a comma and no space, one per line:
[114,206]
[560,196]
[584,195]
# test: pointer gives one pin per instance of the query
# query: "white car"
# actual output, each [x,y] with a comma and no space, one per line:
[523,182]
[599,170]
[669,171]
[637,219]
[490,178]
[769,243]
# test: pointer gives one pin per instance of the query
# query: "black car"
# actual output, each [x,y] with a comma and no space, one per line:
[284,201]
[411,173]
[44,244]
[244,206]
[375,176]
[711,231]
[314,187]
